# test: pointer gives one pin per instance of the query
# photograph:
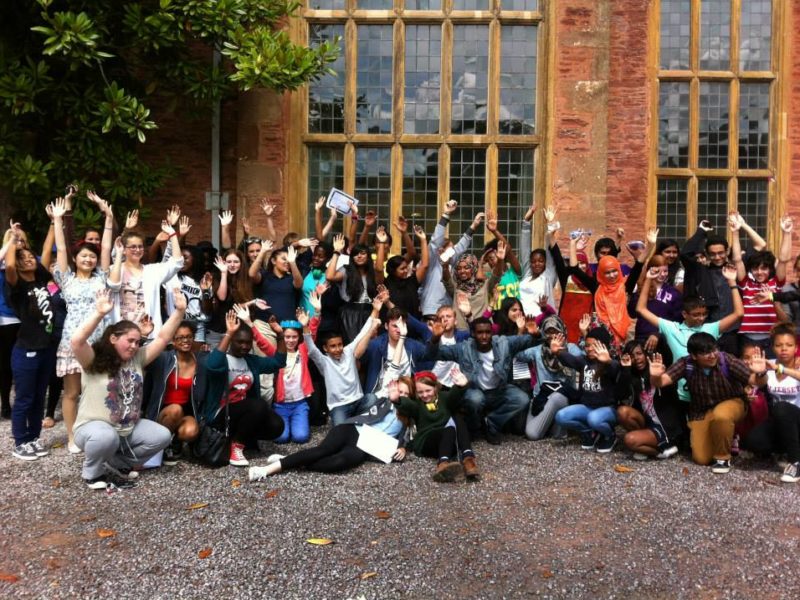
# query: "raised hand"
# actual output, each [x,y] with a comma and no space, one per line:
[231,323]
[118,246]
[602,353]
[437,329]
[419,232]
[705,225]
[302,317]
[59,208]
[735,221]
[48,209]
[652,235]
[225,218]
[381,235]
[450,207]
[261,304]
[305,242]
[762,296]
[557,343]
[319,203]
[321,289]
[531,326]
[501,247]
[266,246]
[370,218]
[550,213]
[132,219]
[462,303]
[520,323]
[651,344]
[476,222]
[103,303]
[457,377]
[401,224]
[145,323]
[167,228]
[787,224]
[729,273]
[179,299]
[625,360]
[338,243]
[758,362]
[620,234]
[529,213]
[173,214]
[221,264]
[380,299]
[206,282]
[582,242]
[353,208]
[275,326]
[653,273]
[267,207]
[393,391]
[183,226]
[402,328]
[246,226]
[542,301]
[584,323]
[657,368]
[491,221]
[242,313]
[315,300]
[291,254]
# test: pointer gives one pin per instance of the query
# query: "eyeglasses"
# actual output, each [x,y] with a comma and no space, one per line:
[139,247]
[183,338]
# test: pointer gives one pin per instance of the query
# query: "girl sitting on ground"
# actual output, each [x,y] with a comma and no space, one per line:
[441,430]
[109,428]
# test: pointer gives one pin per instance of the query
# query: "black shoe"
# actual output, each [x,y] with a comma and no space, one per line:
[588,440]
[721,466]
[495,438]
[173,453]
[98,483]
[606,444]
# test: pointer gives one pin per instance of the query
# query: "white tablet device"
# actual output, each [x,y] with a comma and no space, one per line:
[338,200]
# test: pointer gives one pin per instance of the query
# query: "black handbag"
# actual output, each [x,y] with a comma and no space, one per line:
[212,446]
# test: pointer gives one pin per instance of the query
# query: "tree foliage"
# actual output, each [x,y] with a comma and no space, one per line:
[77,78]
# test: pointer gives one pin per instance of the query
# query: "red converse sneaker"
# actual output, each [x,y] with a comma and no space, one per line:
[237,455]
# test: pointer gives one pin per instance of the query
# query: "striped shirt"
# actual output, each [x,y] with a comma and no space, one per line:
[758,318]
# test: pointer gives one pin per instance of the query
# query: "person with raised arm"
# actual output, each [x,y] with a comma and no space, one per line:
[539,275]
[109,427]
[79,286]
[402,284]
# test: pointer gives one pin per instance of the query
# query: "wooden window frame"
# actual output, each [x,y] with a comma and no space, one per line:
[777,172]
[299,138]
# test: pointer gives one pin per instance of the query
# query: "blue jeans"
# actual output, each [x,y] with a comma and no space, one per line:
[499,405]
[341,413]
[580,417]
[295,421]
[32,370]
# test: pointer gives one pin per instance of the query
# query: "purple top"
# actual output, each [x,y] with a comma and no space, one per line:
[666,304]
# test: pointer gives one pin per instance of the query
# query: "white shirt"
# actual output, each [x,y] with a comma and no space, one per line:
[487,378]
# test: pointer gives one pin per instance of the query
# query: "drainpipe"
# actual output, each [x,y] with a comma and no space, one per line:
[215,200]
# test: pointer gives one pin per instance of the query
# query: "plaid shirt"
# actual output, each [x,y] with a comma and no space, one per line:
[710,389]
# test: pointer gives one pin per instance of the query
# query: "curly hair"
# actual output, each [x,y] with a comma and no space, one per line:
[106,358]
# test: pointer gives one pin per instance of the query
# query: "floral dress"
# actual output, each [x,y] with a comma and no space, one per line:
[80,296]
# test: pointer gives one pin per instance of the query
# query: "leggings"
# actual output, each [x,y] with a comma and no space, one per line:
[252,419]
[448,441]
[337,452]
[8,337]
[780,433]
[55,387]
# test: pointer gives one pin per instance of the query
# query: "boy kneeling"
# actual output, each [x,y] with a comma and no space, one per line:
[716,383]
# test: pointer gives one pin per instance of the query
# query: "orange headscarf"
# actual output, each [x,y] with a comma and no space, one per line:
[610,299]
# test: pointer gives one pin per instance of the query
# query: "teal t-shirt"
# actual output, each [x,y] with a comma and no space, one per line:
[677,336]
[508,286]
[310,283]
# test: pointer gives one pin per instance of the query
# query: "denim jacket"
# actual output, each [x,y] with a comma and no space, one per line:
[466,354]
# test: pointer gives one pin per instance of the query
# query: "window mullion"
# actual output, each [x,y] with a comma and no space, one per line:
[397,196]
[733,127]
[351,71]
[447,78]
[398,78]
[691,206]
[444,173]
[494,80]
[694,39]
[491,181]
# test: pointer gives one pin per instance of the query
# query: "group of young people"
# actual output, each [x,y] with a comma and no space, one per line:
[689,347]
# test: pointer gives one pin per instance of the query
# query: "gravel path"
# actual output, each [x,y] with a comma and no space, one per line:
[547,520]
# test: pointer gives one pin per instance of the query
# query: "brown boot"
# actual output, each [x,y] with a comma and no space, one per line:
[447,472]
[471,468]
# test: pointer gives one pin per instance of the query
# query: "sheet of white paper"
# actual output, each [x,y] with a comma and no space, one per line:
[376,443]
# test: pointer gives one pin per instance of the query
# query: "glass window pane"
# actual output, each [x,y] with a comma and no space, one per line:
[423,80]
[671,208]
[515,176]
[325,171]
[327,4]
[754,126]
[675,34]
[715,35]
[518,79]
[374,183]
[673,124]
[423,4]
[326,96]
[520,4]
[375,4]
[470,78]
[714,125]
[374,79]
[712,203]
[752,202]
[756,36]
[470,4]
[467,186]
[421,188]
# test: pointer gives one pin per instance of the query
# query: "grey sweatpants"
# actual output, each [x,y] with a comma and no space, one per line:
[102,444]
[537,427]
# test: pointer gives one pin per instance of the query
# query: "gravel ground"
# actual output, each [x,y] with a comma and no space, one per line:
[547,520]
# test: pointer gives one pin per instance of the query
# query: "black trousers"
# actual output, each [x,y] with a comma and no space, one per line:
[447,441]
[8,337]
[252,419]
[780,433]
[337,452]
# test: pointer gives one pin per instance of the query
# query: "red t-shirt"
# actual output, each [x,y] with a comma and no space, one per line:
[758,318]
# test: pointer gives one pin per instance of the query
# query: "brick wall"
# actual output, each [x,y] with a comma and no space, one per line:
[793,121]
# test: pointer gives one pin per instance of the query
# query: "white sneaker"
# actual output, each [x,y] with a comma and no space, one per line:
[639,456]
[237,457]
[25,452]
[39,448]
[273,458]
[73,448]
[667,452]
[257,473]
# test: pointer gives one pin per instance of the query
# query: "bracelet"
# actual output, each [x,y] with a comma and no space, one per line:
[734,287]
[335,252]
